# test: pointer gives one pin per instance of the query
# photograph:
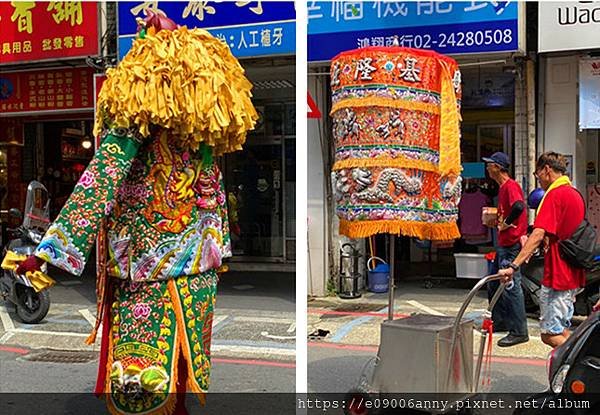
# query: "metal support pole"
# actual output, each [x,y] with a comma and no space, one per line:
[531,119]
[392,274]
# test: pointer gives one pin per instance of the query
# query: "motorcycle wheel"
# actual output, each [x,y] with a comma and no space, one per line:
[32,306]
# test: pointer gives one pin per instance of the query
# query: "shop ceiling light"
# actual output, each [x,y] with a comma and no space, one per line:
[86,143]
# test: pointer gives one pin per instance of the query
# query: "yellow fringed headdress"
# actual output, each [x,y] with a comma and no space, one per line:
[184,80]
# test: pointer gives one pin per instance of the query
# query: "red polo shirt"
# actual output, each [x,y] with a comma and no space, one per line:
[509,193]
[562,211]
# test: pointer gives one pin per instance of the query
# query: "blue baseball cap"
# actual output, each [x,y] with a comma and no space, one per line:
[499,158]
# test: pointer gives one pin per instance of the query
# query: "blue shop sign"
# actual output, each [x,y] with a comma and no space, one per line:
[250,28]
[449,27]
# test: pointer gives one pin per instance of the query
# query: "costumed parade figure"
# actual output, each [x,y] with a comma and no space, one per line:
[396,128]
[153,198]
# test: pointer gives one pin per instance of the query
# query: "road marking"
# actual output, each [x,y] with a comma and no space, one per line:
[221,348]
[272,336]
[223,322]
[89,317]
[424,308]
[519,361]
[219,319]
[6,320]
[10,349]
[52,333]
[323,311]
[6,337]
[357,348]
[263,319]
[252,362]
[291,328]
[348,327]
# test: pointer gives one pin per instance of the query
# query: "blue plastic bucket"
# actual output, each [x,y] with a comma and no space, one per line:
[379,277]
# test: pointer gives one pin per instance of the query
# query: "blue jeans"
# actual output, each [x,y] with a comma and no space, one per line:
[509,311]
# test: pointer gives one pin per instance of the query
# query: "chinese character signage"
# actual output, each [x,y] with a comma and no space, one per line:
[46,90]
[41,30]
[250,28]
[449,27]
[589,93]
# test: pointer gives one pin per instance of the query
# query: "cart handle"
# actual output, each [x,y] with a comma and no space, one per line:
[474,291]
[463,309]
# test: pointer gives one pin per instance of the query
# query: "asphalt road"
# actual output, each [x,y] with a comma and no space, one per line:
[253,350]
[333,371]
[336,370]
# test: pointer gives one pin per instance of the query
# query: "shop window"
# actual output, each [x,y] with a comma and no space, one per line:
[67,151]
[28,154]
[483,140]
[261,186]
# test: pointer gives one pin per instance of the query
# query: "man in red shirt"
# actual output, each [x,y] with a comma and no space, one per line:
[509,312]
[562,209]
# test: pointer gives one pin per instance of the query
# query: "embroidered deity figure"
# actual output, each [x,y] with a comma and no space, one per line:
[152,198]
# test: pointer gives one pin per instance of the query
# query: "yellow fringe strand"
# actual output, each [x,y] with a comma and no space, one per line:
[184,80]
[449,126]
[400,162]
[385,102]
[421,230]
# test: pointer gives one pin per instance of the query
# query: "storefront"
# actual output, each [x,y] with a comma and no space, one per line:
[485,39]
[46,105]
[260,179]
[569,74]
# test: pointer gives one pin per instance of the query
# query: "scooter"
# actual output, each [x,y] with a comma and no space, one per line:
[532,274]
[573,374]
[29,293]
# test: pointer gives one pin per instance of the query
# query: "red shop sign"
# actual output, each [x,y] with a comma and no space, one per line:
[42,30]
[48,90]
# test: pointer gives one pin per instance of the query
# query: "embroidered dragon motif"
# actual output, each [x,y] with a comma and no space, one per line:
[451,189]
[380,190]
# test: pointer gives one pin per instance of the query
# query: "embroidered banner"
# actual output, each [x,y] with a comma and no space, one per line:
[396,115]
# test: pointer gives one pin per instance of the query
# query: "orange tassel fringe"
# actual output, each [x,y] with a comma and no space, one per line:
[399,162]
[421,230]
[385,102]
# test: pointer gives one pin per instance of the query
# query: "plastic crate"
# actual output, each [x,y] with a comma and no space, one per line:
[471,266]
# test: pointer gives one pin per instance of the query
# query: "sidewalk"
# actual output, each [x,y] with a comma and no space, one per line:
[357,322]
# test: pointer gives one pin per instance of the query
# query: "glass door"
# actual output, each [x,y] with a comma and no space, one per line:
[493,138]
[254,180]
[490,138]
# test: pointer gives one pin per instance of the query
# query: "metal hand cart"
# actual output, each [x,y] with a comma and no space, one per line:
[425,354]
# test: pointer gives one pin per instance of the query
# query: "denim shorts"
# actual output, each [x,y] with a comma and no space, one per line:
[556,309]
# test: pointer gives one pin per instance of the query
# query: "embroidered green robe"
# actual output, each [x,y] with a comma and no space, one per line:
[167,233]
